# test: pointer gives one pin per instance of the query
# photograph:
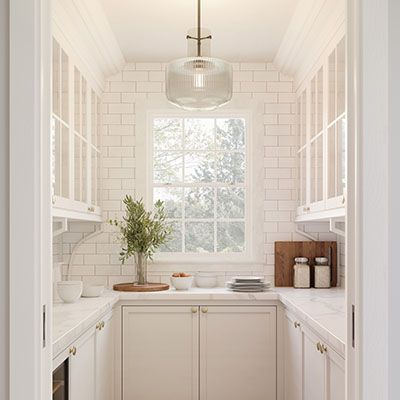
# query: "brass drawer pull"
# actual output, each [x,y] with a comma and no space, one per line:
[72,350]
[204,310]
[194,310]
[296,324]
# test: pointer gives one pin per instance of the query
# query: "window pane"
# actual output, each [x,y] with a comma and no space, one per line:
[168,166]
[172,198]
[341,77]
[199,133]
[84,172]
[331,162]
[83,107]
[77,100]
[199,203]
[313,106]
[341,156]
[77,168]
[64,86]
[320,99]
[65,162]
[199,167]
[230,203]
[230,167]
[56,78]
[332,87]
[175,244]
[56,156]
[230,133]
[230,237]
[320,168]
[199,237]
[167,133]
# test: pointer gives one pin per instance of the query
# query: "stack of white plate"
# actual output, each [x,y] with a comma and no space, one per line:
[248,284]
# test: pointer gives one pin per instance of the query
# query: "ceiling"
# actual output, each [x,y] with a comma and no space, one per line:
[155,30]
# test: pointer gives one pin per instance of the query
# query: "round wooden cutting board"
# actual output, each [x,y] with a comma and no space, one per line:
[135,287]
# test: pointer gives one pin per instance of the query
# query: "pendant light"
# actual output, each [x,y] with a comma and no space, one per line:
[198,82]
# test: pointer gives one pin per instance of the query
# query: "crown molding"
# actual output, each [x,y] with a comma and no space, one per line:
[84,25]
[313,25]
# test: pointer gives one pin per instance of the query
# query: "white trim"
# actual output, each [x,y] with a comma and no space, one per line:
[30,194]
[84,26]
[252,110]
[312,26]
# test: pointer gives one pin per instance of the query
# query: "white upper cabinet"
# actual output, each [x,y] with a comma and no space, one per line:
[75,141]
[321,110]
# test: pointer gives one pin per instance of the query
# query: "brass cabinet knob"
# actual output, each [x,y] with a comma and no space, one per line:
[321,348]
[72,350]
[98,325]
[204,310]
[103,324]
[194,310]
[296,324]
[90,209]
[344,200]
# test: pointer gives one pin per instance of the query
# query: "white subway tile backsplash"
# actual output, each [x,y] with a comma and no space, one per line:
[97,260]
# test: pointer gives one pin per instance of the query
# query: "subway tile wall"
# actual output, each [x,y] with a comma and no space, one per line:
[96,260]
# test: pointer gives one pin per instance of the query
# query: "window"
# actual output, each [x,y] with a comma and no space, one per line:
[199,170]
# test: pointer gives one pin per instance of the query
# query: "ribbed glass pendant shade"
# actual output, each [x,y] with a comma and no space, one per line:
[199,83]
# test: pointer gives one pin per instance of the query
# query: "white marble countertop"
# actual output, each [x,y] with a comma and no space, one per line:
[71,320]
[322,309]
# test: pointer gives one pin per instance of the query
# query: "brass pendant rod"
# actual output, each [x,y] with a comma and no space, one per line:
[198,28]
[198,39]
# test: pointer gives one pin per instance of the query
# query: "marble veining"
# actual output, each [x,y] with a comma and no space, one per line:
[323,310]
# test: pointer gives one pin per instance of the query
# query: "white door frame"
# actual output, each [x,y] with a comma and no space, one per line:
[373,209]
[30,205]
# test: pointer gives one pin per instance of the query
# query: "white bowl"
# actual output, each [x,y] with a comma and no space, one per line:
[92,290]
[69,291]
[206,280]
[182,283]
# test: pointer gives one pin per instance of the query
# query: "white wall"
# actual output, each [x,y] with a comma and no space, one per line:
[394,198]
[4,218]
[97,261]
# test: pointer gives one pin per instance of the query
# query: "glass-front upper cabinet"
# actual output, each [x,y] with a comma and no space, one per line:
[336,126]
[321,112]
[302,150]
[75,140]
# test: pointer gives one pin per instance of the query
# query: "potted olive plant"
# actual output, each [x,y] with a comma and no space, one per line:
[141,233]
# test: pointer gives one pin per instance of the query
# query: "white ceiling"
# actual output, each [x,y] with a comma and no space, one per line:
[155,30]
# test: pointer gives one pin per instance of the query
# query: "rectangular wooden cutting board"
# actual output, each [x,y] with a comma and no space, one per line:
[285,253]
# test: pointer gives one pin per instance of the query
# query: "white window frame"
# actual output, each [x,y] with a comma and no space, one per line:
[254,194]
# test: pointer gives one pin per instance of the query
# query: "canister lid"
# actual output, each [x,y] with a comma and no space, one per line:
[321,260]
[301,260]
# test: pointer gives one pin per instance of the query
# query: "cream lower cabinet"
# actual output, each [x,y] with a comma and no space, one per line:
[206,353]
[312,370]
[91,363]
[292,358]
[160,359]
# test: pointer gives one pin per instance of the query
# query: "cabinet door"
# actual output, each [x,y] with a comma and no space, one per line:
[313,368]
[105,360]
[292,359]
[82,369]
[238,353]
[335,376]
[160,347]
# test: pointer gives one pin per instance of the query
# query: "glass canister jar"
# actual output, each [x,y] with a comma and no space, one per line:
[301,273]
[322,273]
